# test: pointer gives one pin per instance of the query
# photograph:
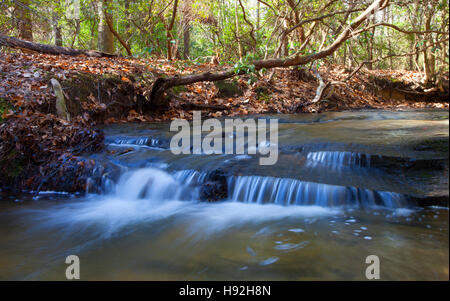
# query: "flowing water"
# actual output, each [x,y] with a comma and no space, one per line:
[346,185]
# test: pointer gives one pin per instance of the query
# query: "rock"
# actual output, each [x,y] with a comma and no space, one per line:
[61,107]
[438,200]
[215,187]
[435,144]
[228,88]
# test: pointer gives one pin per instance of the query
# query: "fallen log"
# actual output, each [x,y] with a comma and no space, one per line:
[49,49]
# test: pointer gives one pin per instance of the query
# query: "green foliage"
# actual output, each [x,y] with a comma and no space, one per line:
[243,68]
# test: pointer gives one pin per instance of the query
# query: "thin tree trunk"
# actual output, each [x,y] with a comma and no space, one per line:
[127,20]
[76,8]
[186,42]
[370,50]
[186,29]
[428,57]
[285,41]
[105,36]
[109,21]
[169,31]
[56,29]
[258,16]
[238,35]
[25,22]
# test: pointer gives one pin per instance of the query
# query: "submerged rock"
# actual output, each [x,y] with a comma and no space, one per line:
[215,187]
[438,200]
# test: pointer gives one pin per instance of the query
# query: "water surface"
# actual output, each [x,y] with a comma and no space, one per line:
[346,186]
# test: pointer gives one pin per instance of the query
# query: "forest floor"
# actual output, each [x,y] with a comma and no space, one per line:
[25,85]
[35,144]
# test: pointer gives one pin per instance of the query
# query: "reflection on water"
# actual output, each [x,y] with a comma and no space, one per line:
[340,192]
[181,240]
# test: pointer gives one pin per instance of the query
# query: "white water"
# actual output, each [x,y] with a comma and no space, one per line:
[282,191]
[151,195]
[340,158]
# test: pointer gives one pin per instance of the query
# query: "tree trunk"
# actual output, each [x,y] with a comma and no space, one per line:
[428,57]
[370,49]
[258,14]
[76,18]
[25,23]
[186,29]
[186,41]
[300,32]
[169,31]
[238,34]
[110,22]
[56,29]
[285,41]
[127,20]
[105,36]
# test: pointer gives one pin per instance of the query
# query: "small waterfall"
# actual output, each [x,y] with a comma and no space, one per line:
[282,191]
[340,158]
[154,184]
[190,177]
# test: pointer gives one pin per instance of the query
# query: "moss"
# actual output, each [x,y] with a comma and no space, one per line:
[4,105]
[178,89]
[228,88]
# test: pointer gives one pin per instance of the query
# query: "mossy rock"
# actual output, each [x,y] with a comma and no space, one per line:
[228,88]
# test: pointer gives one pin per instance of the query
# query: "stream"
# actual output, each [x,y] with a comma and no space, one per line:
[346,185]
